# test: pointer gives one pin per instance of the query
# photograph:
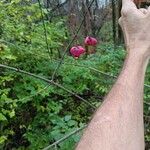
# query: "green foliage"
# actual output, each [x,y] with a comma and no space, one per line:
[106,33]
[34,114]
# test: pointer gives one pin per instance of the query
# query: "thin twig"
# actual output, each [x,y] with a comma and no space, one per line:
[51,82]
[91,68]
[84,66]
[146,103]
[74,132]
[45,30]
[65,137]
[57,6]
[31,96]
[58,61]
[63,56]
[147,118]
[48,81]
[57,85]
[55,146]
[65,52]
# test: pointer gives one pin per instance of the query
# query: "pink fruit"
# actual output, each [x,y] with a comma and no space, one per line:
[90,41]
[76,51]
[81,49]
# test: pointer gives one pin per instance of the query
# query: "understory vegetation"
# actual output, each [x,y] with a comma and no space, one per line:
[35,113]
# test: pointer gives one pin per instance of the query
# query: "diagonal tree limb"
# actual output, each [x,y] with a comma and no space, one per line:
[65,137]
[48,81]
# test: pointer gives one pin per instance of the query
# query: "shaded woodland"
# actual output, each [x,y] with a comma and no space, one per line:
[47,95]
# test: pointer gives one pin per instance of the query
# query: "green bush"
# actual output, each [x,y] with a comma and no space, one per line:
[34,114]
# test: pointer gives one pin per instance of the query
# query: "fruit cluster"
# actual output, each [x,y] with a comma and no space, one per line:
[77,51]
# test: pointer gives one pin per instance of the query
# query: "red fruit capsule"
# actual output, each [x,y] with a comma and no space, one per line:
[76,51]
[81,49]
[90,41]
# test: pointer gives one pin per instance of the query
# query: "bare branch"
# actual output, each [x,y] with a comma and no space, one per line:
[76,131]
[48,81]
[45,30]
[65,137]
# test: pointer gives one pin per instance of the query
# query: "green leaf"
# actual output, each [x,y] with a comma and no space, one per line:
[67,118]
[71,123]
[12,114]
[2,139]
[2,117]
